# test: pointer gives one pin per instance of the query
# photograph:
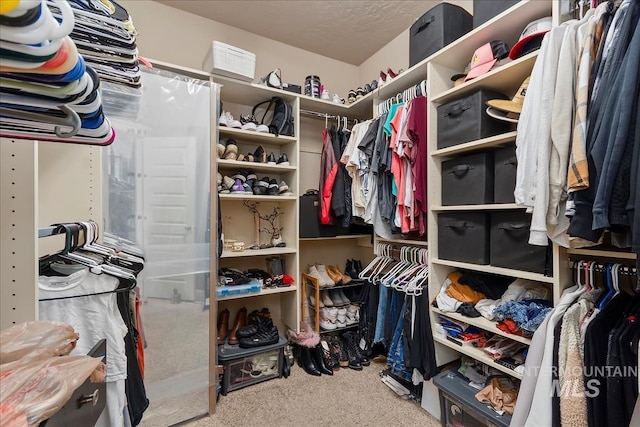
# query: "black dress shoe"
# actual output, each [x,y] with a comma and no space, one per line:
[247,331]
[316,352]
[283,160]
[271,159]
[274,188]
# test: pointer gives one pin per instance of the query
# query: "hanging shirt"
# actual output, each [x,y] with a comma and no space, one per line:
[328,172]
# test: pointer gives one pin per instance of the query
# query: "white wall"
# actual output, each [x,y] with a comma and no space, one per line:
[171,35]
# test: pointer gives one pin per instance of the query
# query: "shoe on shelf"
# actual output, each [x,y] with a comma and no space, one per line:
[251,177]
[218,178]
[222,120]
[326,299]
[248,122]
[344,278]
[283,189]
[323,272]
[262,128]
[335,277]
[274,188]
[227,185]
[283,160]
[247,188]
[271,159]
[241,175]
[374,84]
[223,326]
[237,187]
[231,122]
[391,73]
[350,269]
[221,147]
[341,319]
[313,272]
[352,96]
[260,156]
[248,157]
[383,78]
[335,297]
[353,314]
[231,150]
[359,93]
[267,334]
[241,321]
[343,297]
[312,302]
[328,317]
[261,186]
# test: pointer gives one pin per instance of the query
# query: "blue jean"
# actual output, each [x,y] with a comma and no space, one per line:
[395,358]
[381,317]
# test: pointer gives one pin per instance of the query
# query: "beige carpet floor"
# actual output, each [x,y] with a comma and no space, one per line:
[347,398]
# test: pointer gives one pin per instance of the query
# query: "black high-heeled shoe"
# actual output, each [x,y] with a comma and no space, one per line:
[316,352]
[305,360]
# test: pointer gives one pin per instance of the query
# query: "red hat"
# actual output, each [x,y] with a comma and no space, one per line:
[537,28]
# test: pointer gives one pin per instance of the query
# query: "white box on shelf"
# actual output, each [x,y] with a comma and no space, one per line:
[230,61]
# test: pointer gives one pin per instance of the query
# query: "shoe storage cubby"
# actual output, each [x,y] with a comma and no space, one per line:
[241,225]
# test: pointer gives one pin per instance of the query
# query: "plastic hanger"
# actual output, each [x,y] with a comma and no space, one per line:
[71,119]
[46,28]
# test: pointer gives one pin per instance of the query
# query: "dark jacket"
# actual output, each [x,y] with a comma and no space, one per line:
[328,171]
[338,208]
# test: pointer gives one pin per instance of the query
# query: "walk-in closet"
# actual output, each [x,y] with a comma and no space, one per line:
[288,213]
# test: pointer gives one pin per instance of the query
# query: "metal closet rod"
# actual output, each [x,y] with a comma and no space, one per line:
[321,115]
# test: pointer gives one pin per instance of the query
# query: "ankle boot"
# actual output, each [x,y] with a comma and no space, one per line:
[223,326]
[352,356]
[358,266]
[306,361]
[241,321]
[353,339]
[316,352]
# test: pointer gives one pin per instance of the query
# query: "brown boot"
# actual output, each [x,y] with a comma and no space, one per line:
[345,278]
[241,320]
[334,275]
[223,326]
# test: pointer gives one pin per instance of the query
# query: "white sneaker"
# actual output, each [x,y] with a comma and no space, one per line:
[262,128]
[222,120]
[313,272]
[323,272]
[327,325]
[342,315]
[231,122]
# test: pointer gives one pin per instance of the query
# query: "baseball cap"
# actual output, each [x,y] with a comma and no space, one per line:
[485,57]
[506,110]
[531,37]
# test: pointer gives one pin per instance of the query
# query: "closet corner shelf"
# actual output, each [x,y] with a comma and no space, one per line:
[232,196]
[249,94]
[400,241]
[263,292]
[236,165]
[495,270]
[488,207]
[259,252]
[482,323]
[479,144]
[267,138]
[477,354]
[341,237]
[506,79]
[361,109]
[506,26]
[602,253]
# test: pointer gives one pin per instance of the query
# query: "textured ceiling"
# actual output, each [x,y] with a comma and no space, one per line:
[349,31]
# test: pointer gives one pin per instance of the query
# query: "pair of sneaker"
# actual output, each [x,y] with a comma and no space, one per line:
[320,272]
[333,318]
[227,149]
[353,314]
[334,297]
[246,122]
[270,187]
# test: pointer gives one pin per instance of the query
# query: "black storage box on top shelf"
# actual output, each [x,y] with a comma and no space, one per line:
[464,237]
[510,246]
[247,366]
[504,174]
[466,119]
[459,406]
[434,30]
[484,10]
[310,219]
[468,180]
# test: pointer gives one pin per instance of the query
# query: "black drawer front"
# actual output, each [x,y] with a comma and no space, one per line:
[509,243]
[505,174]
[467,120]
[468,180]
[464,237]
[434,30]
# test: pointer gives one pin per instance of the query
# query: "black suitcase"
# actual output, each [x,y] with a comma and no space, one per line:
[484,10]
[504,175]
[509,243]
[468,180]
[467,120]
[434,30]
[464,236]
[310,219]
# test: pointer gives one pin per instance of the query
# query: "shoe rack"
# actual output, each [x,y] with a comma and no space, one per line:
[238,223]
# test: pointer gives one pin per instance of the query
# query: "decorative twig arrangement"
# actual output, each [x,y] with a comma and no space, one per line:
[273,230]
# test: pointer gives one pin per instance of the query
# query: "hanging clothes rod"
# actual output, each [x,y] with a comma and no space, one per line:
[321,115]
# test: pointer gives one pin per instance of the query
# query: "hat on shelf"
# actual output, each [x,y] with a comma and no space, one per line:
[458,79]
[509,111]
[531,37]
[486,57]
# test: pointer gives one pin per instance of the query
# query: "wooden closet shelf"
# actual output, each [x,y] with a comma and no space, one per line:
[259,252]
[341,237]
[262,167]
[241,196]
[259,294]
[400,241]
[602,253]
[255,136]
[480,144]
[487,207]
[495,270]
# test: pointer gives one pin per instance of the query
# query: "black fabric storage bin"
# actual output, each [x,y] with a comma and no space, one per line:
[504,175]
[464,236]
[468,180]
[310,219]
[483,10]
[438,27]
[467,120]
[509,243]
